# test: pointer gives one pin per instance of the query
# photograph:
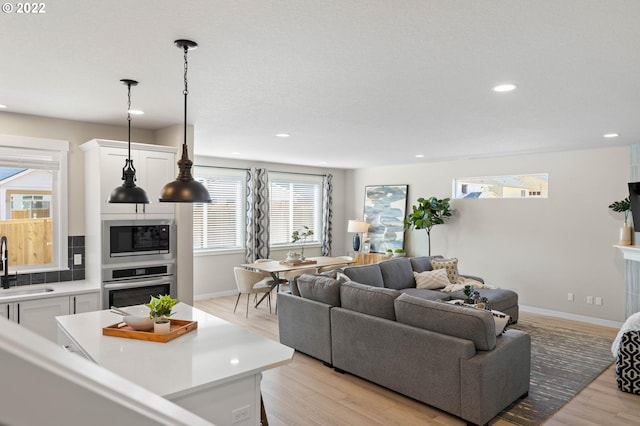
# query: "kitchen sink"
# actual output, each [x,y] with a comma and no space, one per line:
[24,292]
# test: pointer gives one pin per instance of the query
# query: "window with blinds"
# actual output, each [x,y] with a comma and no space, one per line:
[33,181]
[295,201]
[220,225]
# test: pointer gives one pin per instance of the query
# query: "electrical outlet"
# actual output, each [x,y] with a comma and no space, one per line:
[77,259]
[599,301]
[570,297]
[590,300]
[240,414]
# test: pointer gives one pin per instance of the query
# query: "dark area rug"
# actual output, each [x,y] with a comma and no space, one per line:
[563,362]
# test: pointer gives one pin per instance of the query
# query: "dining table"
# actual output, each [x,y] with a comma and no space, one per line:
[276,267]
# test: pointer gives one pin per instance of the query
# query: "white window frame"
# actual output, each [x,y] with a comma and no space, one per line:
[27,152]
[293,178]
[205,173]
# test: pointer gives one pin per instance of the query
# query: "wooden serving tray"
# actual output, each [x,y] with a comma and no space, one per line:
[302,262]
[178,328]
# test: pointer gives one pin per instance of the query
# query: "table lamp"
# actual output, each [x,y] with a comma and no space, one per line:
[357,227]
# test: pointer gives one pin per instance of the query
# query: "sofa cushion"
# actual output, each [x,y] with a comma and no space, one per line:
[397,273]
[449,265]
[466,323]
[432,280]
[319,288]
[422,263]
[365,274]
[369,300]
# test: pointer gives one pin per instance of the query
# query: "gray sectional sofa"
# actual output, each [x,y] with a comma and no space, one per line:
[398,274]
[444,355]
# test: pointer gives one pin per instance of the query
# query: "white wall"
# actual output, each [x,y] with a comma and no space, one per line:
[544,248]
[213,273]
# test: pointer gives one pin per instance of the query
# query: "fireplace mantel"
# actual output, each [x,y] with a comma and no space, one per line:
[630,252]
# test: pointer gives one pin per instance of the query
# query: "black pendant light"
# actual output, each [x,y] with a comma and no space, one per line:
[129,192]
[185,189]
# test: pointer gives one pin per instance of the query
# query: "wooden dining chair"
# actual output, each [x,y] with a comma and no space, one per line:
[251,282]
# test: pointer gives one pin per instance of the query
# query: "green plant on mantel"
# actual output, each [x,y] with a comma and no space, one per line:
[160,307]
[428,213]
[622,206]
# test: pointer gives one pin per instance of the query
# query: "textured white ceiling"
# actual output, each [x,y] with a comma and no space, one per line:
[355,83]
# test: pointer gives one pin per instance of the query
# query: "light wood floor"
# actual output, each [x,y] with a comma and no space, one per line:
[306,392]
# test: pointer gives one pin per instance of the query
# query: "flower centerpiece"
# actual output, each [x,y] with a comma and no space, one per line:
[301,237]
[159,311]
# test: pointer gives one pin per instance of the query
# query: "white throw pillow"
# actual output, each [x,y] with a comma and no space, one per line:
[431,280]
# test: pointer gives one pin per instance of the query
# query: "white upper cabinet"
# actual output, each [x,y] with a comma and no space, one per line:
[155,167]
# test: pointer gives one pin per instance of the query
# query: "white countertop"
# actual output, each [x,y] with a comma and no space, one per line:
[65,288]
[214,353]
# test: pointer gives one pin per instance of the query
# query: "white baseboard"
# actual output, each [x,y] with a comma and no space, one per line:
[216,294]
[574,317]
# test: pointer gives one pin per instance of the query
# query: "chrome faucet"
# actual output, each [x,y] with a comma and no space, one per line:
[4,263]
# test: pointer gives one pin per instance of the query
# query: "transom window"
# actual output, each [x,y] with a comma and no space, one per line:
[509,186]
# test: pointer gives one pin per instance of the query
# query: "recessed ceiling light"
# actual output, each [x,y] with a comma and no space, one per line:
[504,88]
[2,106]
[283,135]
[136,112]
[610,135]
[235,153]
[419,155]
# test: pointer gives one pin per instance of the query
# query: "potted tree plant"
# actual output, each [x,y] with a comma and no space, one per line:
[160,311]
[428,213]
[623,206]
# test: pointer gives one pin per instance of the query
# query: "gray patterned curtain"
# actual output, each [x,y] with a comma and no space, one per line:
[327,214]
[257,215]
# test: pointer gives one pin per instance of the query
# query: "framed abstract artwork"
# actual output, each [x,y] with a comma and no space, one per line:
[385,208]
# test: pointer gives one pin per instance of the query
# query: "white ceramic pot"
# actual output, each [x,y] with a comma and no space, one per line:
[162,327]
[625,236]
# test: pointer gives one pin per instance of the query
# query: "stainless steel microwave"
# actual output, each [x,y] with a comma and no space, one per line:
[145,240]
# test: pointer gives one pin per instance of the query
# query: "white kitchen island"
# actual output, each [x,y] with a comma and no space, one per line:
[213,371]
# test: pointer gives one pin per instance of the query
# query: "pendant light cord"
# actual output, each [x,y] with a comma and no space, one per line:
[185,92]
[129,119]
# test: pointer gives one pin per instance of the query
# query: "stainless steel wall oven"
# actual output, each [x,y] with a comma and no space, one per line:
[129,284]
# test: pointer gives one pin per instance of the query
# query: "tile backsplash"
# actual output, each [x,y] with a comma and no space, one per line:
[74,273]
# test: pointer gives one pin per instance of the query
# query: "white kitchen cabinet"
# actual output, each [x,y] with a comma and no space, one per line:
[80,303]
[155,167]
[38,315]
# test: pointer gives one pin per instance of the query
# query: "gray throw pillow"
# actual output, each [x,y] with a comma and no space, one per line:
[319,288]
[376,301]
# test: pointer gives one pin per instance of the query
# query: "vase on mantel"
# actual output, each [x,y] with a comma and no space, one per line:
[625,235]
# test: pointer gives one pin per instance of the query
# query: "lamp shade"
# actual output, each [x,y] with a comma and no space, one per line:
[357,226]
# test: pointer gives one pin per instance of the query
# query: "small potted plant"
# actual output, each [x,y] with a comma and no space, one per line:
[623,206]
[160,311]
[398,252]
[301,236]
[389,252]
